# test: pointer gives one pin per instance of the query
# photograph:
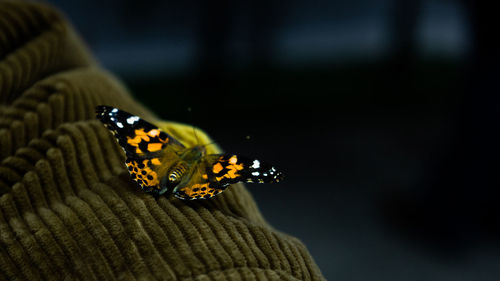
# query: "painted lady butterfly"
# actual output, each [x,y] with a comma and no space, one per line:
[160,164]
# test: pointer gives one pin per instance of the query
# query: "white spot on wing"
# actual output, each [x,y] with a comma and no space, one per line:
[132,119]
[115,110]
[119,124]
[256,164]
[255,173]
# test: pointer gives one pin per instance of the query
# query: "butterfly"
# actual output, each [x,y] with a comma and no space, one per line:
[162,165]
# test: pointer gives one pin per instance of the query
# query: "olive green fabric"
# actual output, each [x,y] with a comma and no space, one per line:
[68,209]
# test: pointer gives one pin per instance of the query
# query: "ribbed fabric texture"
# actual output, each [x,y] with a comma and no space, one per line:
[68,209]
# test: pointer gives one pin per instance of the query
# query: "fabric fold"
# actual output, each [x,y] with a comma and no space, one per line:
[68,209]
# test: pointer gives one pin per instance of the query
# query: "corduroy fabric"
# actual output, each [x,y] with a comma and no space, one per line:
[68,209]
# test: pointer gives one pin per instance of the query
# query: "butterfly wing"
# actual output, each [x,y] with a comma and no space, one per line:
[136,136]
[217,171]
[145,145]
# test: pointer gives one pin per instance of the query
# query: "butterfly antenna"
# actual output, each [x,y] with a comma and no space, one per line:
[196,136]
[190,113]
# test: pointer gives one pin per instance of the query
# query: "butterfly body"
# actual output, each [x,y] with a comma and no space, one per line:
[176,174]
[180,172]
[160,164]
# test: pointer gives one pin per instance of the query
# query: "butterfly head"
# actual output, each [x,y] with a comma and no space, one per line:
[193,154]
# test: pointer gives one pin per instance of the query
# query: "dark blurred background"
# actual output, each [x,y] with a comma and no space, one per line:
[384,115]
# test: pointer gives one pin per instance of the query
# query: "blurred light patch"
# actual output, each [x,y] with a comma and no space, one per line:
[165,39]
[147,58]
[442,29]
[319,44]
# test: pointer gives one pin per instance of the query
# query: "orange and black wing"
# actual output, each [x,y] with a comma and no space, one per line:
[136,136]
[217,171]
[146,146]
